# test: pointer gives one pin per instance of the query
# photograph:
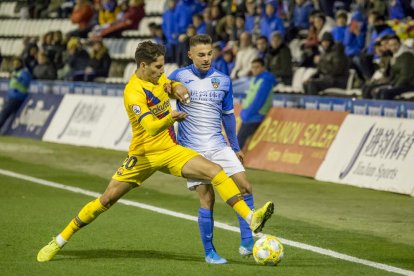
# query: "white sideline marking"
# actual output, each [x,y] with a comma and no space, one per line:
[221,225]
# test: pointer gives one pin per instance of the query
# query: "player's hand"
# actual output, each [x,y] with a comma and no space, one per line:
[240,155]
[168,88]
[180,92]
[179,115]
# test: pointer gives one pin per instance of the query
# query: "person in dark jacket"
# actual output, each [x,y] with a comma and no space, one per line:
[332,65]
[19,85]
[401,73]
[45,69]
[258,101]
[279,59]
[99,62]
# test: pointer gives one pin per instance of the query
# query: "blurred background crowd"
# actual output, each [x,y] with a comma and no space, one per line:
[369,39]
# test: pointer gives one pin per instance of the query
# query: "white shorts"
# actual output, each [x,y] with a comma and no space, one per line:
[226,158]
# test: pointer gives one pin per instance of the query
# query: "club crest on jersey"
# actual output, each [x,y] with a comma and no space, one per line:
[136,109]
[215,82]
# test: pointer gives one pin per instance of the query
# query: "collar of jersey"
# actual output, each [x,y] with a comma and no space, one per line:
[199,74]
[144,82]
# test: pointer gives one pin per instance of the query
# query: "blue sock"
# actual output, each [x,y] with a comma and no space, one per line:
[246,237]
[206,225]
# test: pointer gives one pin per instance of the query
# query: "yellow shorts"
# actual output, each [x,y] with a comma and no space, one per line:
[138,168]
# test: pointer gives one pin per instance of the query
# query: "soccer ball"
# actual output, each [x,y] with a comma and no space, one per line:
[268,250]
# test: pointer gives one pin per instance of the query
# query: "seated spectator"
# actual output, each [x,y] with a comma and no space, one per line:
[300,18]
[245,55]
[76,60]
[381,76]
[270,22]
[226,28]
[279,59]
[211,23]
[401,73]
[45,69]
[228,57]
[338,32]
[251,18]
[19,84]
[108,12]
[58,47]
[99,62]
[82,15]
[262,47]
[332,65]
[258,101]
[130,21]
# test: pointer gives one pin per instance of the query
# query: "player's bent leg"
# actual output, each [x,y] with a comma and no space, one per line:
[246,237]
[87,214]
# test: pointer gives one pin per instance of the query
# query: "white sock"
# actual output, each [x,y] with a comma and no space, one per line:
[60,241]
[249,217]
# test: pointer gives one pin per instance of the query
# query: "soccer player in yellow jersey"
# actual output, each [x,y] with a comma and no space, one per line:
[153,147]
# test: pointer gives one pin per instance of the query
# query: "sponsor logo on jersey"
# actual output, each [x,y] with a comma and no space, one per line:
[136,109]
[215,82]
[188,81]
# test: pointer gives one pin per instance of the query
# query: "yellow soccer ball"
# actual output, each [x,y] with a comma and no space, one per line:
[268,250]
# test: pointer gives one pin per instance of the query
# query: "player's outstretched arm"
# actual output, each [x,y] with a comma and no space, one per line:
[154,126]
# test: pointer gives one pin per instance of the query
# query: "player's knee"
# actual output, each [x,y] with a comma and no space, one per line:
[107,201]
[213,170]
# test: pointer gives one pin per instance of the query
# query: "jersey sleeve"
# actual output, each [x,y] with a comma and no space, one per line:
[136,103]
[228,105]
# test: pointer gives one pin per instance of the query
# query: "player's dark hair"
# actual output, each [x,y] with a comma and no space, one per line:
[148,52]
[200,39]
[259,60]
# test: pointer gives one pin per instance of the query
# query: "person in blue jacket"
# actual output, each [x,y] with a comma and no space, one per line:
[18,88]
[270,22]
[258,101]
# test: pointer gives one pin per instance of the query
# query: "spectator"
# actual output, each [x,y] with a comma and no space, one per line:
[45,69]
[82,15]
[244,57]
[355,35]
[333,67]
[30,56]
[199,24]
[301,13]
[226,28]
[401,74]
[258,101]
[108,12]
[338,32]
[99,62]
[130,21]
[396,10]
[279,59]
[381,29]
[382,75]
[218,61]
[211,25]
[76,61]
[183,47]
[262,47]
[228,57]
[20,79]
[251,18]
[270,22]
[169,28]
[184,13]
[58,47]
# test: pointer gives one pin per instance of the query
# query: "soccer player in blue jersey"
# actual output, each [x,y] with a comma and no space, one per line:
[211,105]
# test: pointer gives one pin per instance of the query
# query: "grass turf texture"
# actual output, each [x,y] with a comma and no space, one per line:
[372,225]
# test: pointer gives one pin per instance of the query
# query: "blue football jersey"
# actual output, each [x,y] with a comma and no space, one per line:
[211,96]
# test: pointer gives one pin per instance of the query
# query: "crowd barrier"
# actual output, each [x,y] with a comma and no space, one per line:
[366,151]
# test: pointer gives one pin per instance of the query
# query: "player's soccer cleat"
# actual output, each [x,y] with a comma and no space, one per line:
[246,248]
[260,216]
[214,258]
[48,252]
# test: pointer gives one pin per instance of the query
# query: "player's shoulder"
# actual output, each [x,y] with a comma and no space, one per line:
[179,73]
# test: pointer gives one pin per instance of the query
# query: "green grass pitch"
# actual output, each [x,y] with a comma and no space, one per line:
[126,240]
